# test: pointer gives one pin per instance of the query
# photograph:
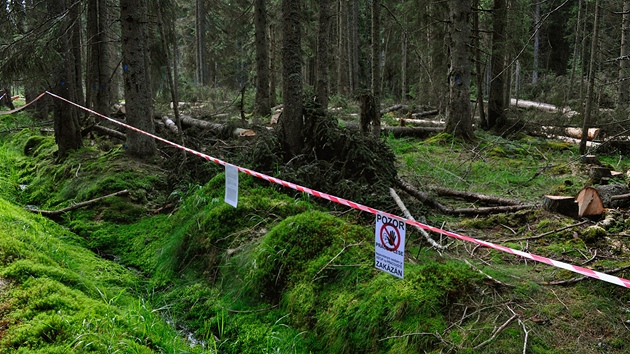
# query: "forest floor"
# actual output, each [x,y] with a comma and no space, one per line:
[170,267]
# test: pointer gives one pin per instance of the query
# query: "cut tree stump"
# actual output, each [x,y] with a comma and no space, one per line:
[597,173]
[593,200]
[590,160]
[562,205]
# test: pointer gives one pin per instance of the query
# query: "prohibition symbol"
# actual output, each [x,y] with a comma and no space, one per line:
[390,237]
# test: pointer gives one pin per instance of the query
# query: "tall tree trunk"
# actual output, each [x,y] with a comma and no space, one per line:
[77,46]
[583,56]
[342,64]
[138,96]
[354,52]
[66,118]
[376,67]
[200,39]
[496,107]
[591,81]
[478,68]
[624,86]
[458,121]
[576,47]
[403,66]
[273,82]
[323,54]
[262,106]
[100,53]
[292,123]
[536,40]
[93,54]
[171,76]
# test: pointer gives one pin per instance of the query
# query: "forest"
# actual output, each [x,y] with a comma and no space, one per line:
[495,132]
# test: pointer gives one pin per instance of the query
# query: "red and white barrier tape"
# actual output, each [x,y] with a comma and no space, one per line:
[576,269]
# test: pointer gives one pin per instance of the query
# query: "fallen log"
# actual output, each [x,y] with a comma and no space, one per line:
[421,122]
[566,111]
[168,122]
[217,127]
[393,108]
[571,132]
[592,201]
[52,213]
[434,112]
[473,196]
[418,132]
[430,202]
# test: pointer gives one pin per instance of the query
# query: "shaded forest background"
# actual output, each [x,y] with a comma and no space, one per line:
[436,54]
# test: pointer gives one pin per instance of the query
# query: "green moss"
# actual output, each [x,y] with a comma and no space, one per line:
[287,249]
[593,234]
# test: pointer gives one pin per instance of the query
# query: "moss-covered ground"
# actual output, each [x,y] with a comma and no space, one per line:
[176,270]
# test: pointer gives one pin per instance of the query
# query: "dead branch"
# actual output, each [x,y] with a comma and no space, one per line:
[545,234]
[408,215]
[111,132]
[575,280]
[496,332]
[335,257]
[423,197]
[491,279]
[491,210]
[52,213]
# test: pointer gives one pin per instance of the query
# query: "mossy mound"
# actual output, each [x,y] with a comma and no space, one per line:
[58,297]
[299,248]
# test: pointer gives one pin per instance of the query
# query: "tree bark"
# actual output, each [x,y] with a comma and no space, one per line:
[576,47]
[478,68]
[376,66]
[291,122]
[458,120]
[171,75]
[323,55]
[66,118]
[624,62]
[496,102]
[403,67]
[138,96]
[200,40]
[536,41]
[586,124]
[262,106]
[343,68]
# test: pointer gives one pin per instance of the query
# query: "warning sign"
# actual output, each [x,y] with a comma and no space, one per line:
[389,245]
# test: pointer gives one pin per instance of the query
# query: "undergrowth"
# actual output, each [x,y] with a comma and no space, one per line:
[280,273]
